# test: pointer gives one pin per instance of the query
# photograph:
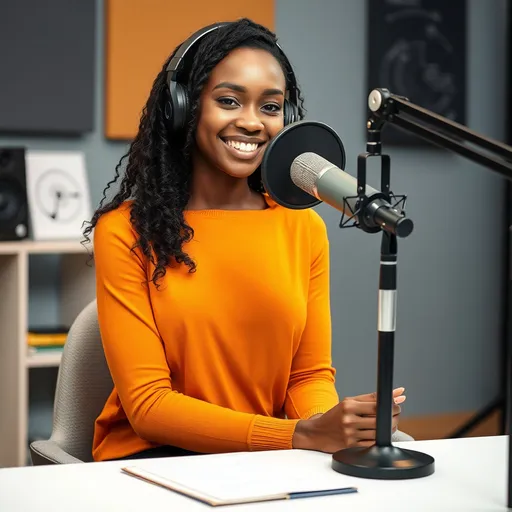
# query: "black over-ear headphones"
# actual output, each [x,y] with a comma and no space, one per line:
[177,105]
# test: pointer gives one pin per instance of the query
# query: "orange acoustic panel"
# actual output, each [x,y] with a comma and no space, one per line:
[141,34]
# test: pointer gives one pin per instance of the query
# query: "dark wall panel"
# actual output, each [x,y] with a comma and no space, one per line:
[47,52]
[418,50]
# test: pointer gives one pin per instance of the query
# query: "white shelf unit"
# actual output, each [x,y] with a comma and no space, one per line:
[76,288]
[43,360]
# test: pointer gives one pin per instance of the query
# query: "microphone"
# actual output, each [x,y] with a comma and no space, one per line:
[302,166]
[322,179]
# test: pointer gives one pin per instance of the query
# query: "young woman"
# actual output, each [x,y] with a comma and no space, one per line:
[213,300]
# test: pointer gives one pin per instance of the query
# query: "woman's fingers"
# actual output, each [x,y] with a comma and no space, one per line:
[364,444]
[372,397]
[353,407]
[365,435]
[354,422]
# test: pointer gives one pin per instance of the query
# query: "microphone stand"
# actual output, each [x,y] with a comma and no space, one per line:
[383,460]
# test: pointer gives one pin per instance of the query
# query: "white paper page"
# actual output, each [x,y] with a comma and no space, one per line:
[243,475]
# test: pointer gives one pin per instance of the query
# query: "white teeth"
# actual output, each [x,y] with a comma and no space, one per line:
[242,146]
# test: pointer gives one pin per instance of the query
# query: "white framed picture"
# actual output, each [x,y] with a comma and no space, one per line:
[58,194]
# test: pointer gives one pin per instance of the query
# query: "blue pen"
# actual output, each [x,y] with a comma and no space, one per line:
[326,492]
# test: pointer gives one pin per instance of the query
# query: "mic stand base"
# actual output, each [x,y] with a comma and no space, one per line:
[383,463]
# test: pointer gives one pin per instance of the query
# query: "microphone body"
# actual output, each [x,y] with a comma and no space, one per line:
[320,178]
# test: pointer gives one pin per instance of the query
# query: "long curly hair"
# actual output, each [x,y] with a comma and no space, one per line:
[158,170]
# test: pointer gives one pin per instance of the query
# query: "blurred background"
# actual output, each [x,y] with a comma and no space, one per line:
[74,76]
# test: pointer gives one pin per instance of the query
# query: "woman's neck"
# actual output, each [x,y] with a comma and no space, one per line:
[214,190]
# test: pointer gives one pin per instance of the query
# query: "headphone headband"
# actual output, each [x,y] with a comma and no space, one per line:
[174,66]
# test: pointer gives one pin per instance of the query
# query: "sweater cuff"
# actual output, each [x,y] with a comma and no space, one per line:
[315,410]
[271,434]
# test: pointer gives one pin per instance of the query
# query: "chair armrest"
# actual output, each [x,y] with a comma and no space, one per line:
[49,452]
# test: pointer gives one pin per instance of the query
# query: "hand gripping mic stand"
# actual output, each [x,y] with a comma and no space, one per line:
[383,460]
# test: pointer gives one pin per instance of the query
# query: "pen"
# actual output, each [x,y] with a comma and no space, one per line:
[326,492]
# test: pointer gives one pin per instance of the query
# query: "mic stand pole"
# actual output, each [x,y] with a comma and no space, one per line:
[382,460]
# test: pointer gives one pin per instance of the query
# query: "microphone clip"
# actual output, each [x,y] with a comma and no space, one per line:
[396,201]
[360,206]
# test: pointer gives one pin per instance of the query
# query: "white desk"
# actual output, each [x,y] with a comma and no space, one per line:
[470,476]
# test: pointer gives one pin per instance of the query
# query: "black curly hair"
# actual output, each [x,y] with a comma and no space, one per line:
[158,170]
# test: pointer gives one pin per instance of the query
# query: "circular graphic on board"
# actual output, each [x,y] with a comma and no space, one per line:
[420,63]
[58,196]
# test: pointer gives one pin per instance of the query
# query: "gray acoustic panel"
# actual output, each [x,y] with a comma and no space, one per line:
[47,55]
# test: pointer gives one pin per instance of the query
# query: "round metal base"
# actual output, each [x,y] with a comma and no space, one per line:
[383,462]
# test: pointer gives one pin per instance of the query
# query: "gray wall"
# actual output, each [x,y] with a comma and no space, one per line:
[447,340]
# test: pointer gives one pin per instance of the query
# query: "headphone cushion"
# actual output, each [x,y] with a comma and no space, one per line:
[178,106]
[291,113]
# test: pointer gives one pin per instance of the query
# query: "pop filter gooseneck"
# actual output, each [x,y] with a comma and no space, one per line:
[289,143]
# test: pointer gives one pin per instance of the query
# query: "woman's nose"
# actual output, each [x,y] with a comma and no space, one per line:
[250,120]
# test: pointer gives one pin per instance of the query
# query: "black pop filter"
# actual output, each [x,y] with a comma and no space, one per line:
[288,144]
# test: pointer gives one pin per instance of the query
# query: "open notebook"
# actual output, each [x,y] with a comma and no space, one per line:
[237,478]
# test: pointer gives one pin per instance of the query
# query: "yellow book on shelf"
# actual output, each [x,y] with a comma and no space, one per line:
[47,336]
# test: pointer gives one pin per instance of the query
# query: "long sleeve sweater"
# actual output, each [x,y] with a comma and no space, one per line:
[227,358]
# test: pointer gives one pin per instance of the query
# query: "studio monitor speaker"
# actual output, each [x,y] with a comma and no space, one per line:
[13,195]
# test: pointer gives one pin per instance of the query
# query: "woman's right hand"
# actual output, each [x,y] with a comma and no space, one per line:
[352,422]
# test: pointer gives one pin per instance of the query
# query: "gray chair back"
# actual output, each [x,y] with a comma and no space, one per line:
[83,386]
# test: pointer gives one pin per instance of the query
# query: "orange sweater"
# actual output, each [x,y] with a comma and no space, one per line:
[228,358]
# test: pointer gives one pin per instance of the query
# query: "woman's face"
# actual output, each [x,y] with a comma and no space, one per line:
[241,109]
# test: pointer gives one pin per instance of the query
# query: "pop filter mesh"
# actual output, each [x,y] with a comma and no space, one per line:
[289,143]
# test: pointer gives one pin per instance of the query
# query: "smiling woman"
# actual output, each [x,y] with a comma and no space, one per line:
[213,301]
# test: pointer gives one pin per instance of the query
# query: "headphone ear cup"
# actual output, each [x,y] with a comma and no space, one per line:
[176,109]
[291,113]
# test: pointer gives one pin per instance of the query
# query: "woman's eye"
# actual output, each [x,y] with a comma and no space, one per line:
[273,108]
[230,102]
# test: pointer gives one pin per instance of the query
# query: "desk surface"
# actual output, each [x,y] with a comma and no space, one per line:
[470,475]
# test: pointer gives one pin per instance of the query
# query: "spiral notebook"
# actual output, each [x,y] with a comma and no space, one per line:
[230,479]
